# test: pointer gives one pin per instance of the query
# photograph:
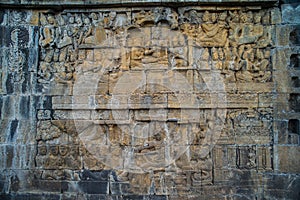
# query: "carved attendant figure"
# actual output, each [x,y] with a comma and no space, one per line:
[213,34]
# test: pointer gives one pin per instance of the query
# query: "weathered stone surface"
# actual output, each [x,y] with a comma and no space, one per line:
[287,161]
[290,13]
[149,99]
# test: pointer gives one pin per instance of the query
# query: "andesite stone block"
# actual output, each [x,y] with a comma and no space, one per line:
[159,99]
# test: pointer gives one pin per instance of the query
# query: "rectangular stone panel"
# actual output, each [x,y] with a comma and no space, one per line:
[286,158]
[166,100]
[147,101]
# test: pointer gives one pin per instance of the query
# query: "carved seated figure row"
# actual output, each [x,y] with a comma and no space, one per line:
[58,64]
[212,32]
[249,64]
[254,66]
[252,31]
[60,38]
[58,156]
[66,29]
[101,18]
[231,16]
[216,28]
[82,28]
[75,29]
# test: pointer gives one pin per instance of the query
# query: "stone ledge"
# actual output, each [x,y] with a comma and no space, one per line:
[106,3]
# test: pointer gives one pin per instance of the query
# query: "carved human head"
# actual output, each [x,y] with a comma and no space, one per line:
[17,15]
[213,17]
[193,13]
[71,19]
[243,17]
[78,19]
[206,16]
[63,150]
[267,53]
[223,16]
[51,19]
[94,16]
[112,15]
[221,53]
[86,20]
[257,18]
[214,52]
[53,149]
[42,150]
[168,11]
[249,16]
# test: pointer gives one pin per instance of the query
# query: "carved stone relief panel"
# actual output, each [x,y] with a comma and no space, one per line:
[156,91]
[149,99]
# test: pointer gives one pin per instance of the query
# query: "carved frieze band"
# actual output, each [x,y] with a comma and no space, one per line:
[234,41]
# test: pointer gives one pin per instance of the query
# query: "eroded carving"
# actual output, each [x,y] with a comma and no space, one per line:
[168,49]
[157,16]
[239,34]
[251,122]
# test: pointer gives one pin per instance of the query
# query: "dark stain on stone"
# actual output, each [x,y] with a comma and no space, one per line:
[88,175]
[1,103]
[9,84]
[26,74]
[13,129]
[1,16]
[47,104]
[9,155]
[25,106]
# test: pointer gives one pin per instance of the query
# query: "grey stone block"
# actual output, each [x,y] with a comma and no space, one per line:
[291,13]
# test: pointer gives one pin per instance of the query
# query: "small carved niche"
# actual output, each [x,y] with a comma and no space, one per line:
[293,126]
[294,61]
[295,36]
[295,82]
[294,102]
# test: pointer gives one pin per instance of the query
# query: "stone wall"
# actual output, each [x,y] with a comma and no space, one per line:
[156,100]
